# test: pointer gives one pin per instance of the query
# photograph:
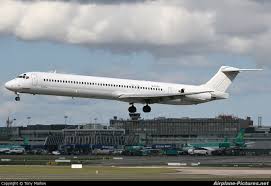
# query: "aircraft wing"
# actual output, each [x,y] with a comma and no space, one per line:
[156,98]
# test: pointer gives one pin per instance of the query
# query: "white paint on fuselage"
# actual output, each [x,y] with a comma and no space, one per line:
[101,87]
[132,91]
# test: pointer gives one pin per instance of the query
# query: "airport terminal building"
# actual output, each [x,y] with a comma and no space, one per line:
[181,130]
[136,131]
[94,136]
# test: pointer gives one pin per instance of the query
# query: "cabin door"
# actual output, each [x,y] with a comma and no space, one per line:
[34,80]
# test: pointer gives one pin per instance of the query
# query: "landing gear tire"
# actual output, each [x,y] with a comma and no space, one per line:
[132,109]
[17,98]
[147,108]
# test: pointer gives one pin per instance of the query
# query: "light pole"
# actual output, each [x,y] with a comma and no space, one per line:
[28,118]
[65,117]
[14,122]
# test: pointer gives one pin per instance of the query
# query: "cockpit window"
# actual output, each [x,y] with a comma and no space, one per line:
[24,76]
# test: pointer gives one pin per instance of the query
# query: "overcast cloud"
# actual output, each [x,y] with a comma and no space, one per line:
[180,41]
[163,28]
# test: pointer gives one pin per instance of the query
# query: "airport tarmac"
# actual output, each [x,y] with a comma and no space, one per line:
[145,160]
[144,168]
[154,173]
[203,160]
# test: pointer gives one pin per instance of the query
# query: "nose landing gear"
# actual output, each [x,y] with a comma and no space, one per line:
[17,98]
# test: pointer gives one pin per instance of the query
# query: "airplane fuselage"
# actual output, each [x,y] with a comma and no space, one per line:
[131,91]
[102,88]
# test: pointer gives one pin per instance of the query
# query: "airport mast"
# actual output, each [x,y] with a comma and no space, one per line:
[260,121]
[9,123]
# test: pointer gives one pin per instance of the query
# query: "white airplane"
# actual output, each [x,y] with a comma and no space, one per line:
[131,91]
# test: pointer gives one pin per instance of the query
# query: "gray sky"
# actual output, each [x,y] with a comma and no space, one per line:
[171,41]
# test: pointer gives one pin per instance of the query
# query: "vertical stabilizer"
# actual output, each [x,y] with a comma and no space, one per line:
[224,77]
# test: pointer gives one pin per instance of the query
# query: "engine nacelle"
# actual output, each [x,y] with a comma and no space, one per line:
[204,96]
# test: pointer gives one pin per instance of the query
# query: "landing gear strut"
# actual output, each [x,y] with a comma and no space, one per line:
[147,108]
[132,109]
[17,98]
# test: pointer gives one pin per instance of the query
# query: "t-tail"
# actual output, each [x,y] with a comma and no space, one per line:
[221,81]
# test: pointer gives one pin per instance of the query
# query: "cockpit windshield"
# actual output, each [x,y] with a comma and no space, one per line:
[23,76]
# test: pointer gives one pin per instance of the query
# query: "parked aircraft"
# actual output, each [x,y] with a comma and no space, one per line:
[210,147]
[131,91]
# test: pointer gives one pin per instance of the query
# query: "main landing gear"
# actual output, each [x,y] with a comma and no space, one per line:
[132,109]
[146,109]
[17,98]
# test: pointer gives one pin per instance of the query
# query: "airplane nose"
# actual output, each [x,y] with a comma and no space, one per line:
[8,85]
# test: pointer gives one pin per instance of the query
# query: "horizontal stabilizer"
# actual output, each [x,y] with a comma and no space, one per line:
[233,69]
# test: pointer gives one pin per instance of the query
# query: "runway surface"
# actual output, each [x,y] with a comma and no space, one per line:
[204,160]
[106,168]
[101,173]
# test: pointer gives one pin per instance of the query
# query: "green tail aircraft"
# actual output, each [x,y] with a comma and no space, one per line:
[238,142]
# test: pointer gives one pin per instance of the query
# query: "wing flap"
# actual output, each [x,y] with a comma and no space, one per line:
[155,98]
